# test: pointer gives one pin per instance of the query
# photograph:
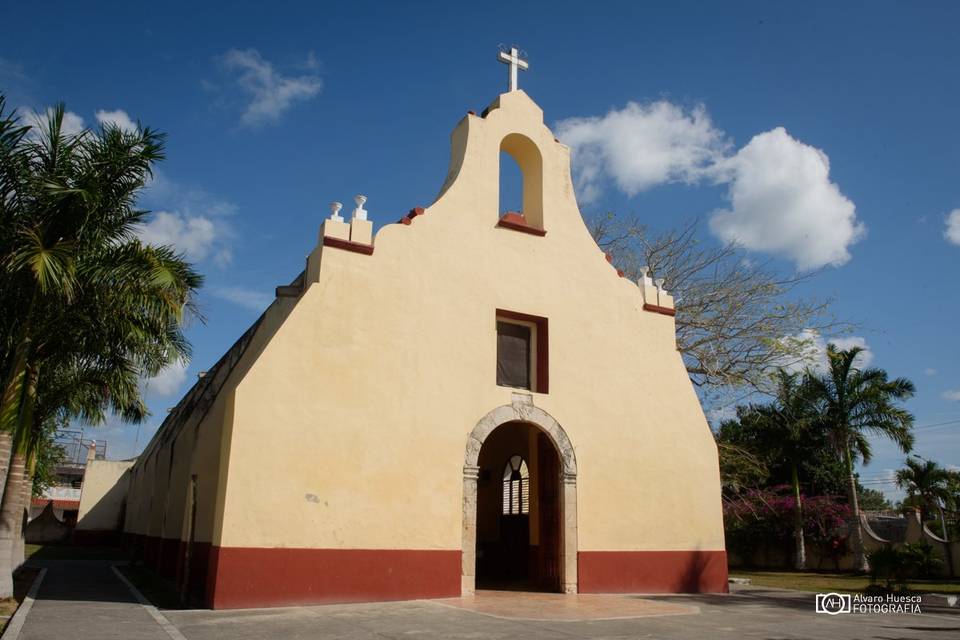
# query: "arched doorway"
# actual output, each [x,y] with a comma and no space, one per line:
[518,510]
[519,502]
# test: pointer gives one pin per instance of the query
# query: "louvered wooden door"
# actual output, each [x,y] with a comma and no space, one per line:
[548,484]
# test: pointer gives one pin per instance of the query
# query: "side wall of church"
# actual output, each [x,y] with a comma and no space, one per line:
[187,458]
[346,458]
[159,504]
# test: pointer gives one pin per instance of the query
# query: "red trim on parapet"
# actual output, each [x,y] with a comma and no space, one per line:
[667,311]
[257,577]
[407,219]
[652,572]
[517,222]
[346,245]
[609,257]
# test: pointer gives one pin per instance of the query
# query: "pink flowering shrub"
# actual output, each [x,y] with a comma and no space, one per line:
[760,521]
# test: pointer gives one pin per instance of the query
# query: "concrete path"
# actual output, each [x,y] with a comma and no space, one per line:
[81,599]
[86,599]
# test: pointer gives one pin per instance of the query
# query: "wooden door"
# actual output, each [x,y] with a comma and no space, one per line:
[548,487]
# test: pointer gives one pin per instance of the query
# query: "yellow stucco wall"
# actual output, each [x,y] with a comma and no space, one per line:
[104,492]
[199,441]
[345,426]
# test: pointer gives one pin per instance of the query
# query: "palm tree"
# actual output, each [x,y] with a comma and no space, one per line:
[928,483]
[789,433]
[88,310]
[854,404]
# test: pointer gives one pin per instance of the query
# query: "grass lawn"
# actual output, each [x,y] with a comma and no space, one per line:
[842,582]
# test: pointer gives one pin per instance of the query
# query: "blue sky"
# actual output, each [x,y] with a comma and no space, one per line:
[675,111]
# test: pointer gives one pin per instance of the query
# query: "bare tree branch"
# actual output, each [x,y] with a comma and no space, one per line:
[737,319]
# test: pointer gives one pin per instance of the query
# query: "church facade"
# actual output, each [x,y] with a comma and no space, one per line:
[467,400]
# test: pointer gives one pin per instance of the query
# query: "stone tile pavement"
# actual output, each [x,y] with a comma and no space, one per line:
[86,599]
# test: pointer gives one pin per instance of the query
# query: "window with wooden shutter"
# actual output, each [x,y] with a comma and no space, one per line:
[522,351]
[513,355]
[516,487]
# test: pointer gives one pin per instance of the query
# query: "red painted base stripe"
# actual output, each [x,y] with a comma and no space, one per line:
[652,571]
[252,577]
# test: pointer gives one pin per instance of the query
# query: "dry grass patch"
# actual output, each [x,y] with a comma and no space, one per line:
[840,582]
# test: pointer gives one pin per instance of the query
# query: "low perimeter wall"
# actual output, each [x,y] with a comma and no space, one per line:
[916,531]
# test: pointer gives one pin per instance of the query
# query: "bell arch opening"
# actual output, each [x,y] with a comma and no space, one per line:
[519,503]
[525,153]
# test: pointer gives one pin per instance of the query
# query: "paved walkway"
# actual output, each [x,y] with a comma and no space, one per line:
[85,599]
[81,599]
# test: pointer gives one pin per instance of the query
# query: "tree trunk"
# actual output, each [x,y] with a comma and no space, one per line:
[800,561]
[856,531]
[11,415]
[946,546]
[6,574]
[19,555]
[10,516]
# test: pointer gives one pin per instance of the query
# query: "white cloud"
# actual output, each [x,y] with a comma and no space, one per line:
[169,380]
[814,348]
[865,359]
[953,395]
[72,123]
[162,192]
[641,146]
[190,219]
[197,237]
[929,371]
[783,202]
[952,231]
[249,298]
[270,92]
[118,118]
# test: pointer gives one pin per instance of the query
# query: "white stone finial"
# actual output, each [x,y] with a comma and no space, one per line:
[645,277]
[659,282]
[359,213]
[335,211]
[514,63]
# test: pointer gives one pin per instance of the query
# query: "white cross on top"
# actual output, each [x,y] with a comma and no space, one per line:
[513,62]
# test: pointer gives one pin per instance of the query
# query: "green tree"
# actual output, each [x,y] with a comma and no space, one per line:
[928,484]
[872,500]
[787,431]
[87,309]
[740,468]
[49,455]
[853,404]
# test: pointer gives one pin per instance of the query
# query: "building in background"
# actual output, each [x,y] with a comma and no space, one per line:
[64,496]
[87,503]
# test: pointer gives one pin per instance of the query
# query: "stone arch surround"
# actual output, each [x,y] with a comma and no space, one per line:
[520,409]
